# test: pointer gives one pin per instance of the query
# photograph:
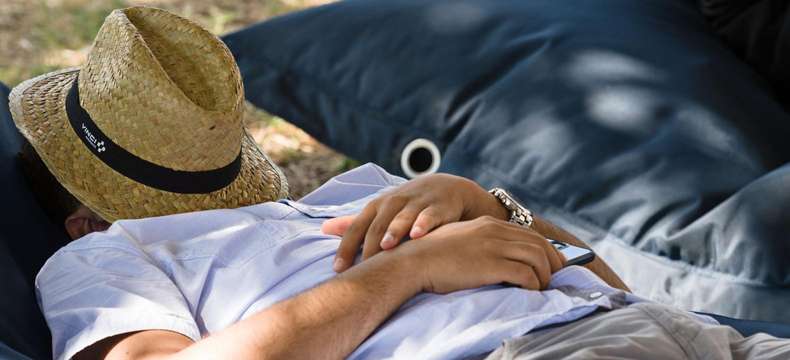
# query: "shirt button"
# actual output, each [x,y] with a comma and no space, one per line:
[596,295]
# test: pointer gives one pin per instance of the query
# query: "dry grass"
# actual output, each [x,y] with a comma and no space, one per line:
[38,36]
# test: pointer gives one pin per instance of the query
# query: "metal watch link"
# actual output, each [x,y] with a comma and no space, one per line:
[518,213]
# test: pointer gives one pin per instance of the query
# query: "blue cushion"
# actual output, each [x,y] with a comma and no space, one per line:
[27,240]
[757,31]
[626,122]
[751,327]
[7,353]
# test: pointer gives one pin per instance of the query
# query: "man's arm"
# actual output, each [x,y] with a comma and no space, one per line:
[331,320]
[597,266]
[493,208]
[326,322]
[422,204]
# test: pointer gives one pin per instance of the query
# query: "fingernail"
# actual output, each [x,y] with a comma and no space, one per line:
[417,232]
[387,241]
[338,264]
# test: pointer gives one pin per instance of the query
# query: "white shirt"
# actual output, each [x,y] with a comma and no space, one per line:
[198,273]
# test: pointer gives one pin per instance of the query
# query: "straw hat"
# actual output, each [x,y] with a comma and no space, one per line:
[150,125]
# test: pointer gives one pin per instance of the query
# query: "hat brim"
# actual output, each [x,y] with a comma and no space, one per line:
[38,109]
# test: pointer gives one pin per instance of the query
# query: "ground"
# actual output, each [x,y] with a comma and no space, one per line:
[38,36]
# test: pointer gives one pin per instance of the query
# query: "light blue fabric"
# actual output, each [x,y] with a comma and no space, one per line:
[201,272]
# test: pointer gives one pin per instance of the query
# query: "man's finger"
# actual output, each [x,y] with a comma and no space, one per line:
[337,226]
[400,226]
[532,255]
[352,239]
[428,219]
[375,234]
[518,273]
[555,258]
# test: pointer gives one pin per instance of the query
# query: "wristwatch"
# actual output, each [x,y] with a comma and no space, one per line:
[518,213]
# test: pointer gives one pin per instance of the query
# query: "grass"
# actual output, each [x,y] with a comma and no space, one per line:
[40,36]
[82,21]
[40,31]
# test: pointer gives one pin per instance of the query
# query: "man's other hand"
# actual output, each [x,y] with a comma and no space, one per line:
[414,209]
[480,252]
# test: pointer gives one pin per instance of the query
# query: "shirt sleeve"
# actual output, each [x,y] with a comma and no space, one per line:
[97,290]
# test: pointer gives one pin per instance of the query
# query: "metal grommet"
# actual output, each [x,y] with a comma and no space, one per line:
[420,157]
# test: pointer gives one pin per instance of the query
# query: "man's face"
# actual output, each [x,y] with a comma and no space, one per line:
[83,221]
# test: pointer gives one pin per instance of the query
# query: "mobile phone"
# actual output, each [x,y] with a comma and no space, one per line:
[574,255]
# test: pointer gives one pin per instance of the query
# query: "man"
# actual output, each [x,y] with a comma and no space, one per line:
[150,126]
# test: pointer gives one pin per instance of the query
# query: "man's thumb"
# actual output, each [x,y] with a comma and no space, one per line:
[338,225]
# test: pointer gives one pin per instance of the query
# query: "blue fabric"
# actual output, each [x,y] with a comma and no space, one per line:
[625,121]
[7,353]
[25,243]
[751,327]
[758,32]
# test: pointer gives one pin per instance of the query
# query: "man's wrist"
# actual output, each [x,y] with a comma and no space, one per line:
[496,209]
[401,265]
[484,203]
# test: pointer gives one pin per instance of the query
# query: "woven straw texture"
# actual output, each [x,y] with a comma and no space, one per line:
[167,91]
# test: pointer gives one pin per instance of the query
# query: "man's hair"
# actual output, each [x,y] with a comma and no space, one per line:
[56,201]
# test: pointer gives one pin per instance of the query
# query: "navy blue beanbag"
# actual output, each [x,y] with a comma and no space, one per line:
[657,151]
[28,238]
[757,31]
[627,122]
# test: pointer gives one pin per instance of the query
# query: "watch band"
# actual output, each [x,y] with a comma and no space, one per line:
[518,213]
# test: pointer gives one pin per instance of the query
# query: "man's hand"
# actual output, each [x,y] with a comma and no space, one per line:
[414,209]
[484,251]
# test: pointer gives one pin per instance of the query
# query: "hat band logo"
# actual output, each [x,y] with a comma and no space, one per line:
[141,170]
[98,145]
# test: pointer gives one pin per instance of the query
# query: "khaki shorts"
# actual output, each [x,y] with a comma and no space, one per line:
[642,331]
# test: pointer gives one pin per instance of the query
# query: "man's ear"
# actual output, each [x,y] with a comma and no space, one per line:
[76,225]
[82,222]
